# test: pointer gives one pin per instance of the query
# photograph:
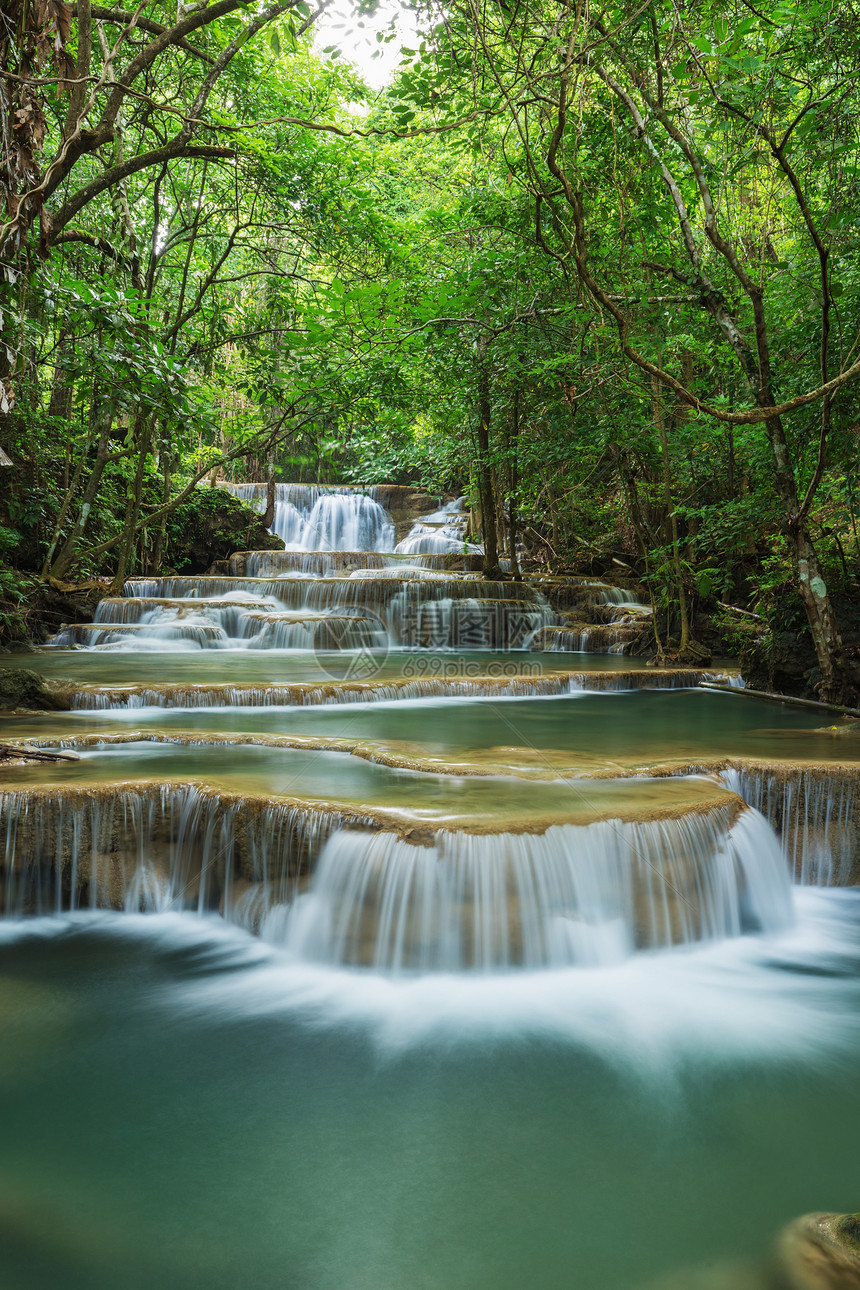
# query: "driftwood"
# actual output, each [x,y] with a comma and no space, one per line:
[790,699]
[10,752]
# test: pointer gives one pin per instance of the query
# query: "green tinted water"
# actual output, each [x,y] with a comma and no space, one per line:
[166,666]
[592,730]
[351,781]
[184,1110]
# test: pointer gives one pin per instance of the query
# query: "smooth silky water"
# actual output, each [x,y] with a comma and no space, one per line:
[659,1079]
[176,666]
[187,1109]
[588,730]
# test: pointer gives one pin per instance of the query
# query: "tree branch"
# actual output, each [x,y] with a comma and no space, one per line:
[97,243]
[122,19]
[109,177]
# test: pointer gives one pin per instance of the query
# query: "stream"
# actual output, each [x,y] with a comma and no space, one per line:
[373,938]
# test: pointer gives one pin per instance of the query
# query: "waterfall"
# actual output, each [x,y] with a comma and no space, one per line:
[585,638]
[312,517]
[607,595]
[154,847]
[103,698]
[442,531]
[411,608]
[315,564]
[814,813]
[341,567]
[573,895]
[273,564]
[584,895]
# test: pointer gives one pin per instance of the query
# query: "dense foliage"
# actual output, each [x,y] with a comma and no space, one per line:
[595,266]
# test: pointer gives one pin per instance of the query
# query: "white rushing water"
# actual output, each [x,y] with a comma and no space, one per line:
[776,996]
[339,585]
[443,531]
[311,517]
[587,895]
[814,814]
[582,895]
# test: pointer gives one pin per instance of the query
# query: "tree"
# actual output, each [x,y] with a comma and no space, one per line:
[706,94]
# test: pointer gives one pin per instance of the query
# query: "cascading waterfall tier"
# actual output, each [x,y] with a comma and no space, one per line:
[814,809]
[101,698]
[585,638]
[815,813]
[440,532]
[155,847]
[319,564]
[572,895]
[591,617]
[408,607]
[341,561]
[567,895]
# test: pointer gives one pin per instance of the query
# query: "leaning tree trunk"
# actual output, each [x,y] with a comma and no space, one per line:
[671,522]
[142,433]
[66,557]
[513,469]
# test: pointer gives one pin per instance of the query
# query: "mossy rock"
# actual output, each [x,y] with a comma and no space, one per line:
[211,526]
[20,688]
[819,1252]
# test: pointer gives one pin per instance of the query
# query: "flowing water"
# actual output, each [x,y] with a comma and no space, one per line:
[363,937]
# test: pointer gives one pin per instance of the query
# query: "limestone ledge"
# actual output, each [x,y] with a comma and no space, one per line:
[309,693]
[814,806]
[117,845]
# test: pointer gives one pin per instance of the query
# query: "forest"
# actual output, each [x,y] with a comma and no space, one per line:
[594,266]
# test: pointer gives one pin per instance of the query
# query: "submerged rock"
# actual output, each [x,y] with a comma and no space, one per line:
[717,1276]
[815,1252]
[819,1252]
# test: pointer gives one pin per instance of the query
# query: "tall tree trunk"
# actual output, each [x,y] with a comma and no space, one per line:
[269,513]
[489,525]
[671,519]
[142,434]
[514,473]
[835,685]
[157,555]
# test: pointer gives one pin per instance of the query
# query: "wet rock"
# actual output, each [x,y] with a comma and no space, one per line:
[819,1252]
[210,526]
[20,688]
[781,661]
